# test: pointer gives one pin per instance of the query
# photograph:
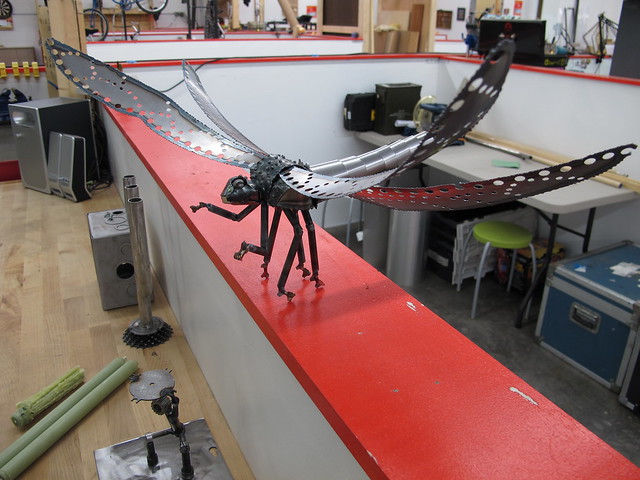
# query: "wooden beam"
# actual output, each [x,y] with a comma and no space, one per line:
[63,20]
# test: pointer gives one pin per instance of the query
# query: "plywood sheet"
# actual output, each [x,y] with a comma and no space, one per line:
[394,17]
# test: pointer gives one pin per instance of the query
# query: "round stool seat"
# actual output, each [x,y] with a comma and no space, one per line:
[502,234]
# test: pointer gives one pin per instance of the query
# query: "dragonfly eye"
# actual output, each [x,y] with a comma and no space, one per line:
[238,183]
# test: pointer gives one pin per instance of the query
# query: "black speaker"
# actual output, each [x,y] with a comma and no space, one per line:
[66,168]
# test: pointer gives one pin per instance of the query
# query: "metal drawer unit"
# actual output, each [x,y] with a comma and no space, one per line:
[590,310]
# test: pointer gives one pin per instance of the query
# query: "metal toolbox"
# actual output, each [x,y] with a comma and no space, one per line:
[590,310]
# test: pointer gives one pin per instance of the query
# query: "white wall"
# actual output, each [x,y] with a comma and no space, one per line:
[178,49]
[25,28]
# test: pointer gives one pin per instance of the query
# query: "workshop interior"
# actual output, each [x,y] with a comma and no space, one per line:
[312,239]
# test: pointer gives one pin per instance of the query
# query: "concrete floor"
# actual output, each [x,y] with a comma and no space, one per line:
[590,403]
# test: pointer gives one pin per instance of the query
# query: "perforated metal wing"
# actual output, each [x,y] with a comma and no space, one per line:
[468,107]
[471,104]
[158,112]
[199,94]
[499,190]
[325,187]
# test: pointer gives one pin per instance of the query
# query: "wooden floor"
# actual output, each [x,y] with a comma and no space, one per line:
[51,319]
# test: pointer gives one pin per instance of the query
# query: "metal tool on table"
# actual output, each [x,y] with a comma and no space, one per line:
[154,455]
[510,151]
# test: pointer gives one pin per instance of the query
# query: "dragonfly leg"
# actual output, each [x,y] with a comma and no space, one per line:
[292,215]
[270,241]
[301,260]
[313,248]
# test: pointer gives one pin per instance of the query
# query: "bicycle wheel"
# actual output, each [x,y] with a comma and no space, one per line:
[96,26]
[6,9]
[152,6]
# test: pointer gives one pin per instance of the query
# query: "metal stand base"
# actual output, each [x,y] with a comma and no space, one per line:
[128,460]
[138,336]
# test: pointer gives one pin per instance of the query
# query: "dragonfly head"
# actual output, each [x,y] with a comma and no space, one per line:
[239,191]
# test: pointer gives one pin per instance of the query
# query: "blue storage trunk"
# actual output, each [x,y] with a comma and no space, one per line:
[590,310]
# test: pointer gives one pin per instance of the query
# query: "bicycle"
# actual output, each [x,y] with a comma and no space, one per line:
[147,6]
[96,26]
[6,9]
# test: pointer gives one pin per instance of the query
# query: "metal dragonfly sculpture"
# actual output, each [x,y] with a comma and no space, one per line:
[294,188]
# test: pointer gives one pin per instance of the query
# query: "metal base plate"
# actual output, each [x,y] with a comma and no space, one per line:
[128,460]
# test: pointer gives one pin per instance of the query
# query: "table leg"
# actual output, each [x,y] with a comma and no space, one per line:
[541,273]
[587,232]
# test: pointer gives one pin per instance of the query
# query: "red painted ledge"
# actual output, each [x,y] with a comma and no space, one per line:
[409,396]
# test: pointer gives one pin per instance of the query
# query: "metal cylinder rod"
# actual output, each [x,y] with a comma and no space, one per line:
[130,191]
[141,261]
[499,148]
[128,180]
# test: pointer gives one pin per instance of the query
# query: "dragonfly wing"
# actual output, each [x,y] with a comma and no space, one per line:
[325,187]
[197,91]
[468,107]
[158,112]
[464,112]
[499,190]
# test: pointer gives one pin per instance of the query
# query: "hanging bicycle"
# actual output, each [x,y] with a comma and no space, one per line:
[148,6]
[96,26]
[6,9]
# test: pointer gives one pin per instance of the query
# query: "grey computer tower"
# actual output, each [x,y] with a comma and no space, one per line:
[32,122]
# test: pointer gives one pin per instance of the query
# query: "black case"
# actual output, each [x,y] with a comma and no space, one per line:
[358,112]
[394,101]
[630,393]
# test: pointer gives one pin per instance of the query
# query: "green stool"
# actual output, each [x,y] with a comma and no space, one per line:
[499,235]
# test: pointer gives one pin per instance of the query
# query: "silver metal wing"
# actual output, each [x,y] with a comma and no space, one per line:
[199,94]
[158,112]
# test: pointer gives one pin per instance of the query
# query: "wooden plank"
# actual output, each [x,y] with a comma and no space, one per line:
[421,12]
[408,42]
[51,318]
[63,20]
[415,17]
[394,17]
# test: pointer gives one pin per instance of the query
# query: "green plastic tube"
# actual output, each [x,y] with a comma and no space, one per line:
[21,461]
[26,438]
[37,403]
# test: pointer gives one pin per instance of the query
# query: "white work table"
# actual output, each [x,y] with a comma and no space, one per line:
[471,162]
